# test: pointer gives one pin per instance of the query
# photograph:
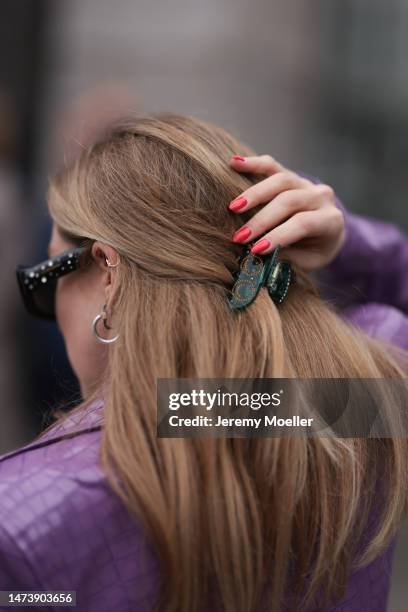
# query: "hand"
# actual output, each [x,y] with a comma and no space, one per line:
[297,214]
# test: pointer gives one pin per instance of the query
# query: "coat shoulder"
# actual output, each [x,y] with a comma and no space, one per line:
[380,321]
[62,527]
[47,475]
[63,457]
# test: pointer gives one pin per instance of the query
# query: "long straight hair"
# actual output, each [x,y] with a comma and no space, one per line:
[248,519]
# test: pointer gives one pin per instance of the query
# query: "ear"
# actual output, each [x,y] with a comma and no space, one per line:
[102,254]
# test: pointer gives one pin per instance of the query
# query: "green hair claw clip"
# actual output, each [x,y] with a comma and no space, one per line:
[256,272]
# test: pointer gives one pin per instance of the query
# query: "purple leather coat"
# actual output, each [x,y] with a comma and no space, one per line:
[61,527]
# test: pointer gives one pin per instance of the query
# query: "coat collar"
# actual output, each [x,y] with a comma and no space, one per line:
[87,418]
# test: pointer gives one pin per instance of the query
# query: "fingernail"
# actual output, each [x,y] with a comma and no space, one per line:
[261,246]
[241,235]
[238,158]
[238,203]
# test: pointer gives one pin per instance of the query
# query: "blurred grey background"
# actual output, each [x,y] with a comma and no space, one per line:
[322,86]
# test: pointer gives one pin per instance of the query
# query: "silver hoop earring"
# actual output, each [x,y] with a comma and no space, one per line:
[102,315]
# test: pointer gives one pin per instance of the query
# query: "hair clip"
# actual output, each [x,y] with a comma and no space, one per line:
[256,272]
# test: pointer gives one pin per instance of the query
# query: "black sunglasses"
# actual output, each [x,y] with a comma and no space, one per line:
[38,283]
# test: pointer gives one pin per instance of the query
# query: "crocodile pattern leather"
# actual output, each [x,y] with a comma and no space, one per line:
[62,528]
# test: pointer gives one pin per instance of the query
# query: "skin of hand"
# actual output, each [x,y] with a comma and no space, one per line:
[295,213]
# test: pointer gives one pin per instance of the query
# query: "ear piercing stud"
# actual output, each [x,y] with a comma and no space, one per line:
[111,265]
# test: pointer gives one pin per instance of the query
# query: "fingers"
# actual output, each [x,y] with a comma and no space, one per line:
[276,212]
[258,164]
[265,190]
[294,229]
[324,224]
[305,258]
[295,209]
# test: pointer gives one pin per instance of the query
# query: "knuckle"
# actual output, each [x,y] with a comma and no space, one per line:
[267,159]
[306,223]
[280,182]
[325,190]
[291,204]
[337,216]
[285,180]
[305,180]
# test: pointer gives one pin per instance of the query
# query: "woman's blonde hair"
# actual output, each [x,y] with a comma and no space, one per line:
[238,517]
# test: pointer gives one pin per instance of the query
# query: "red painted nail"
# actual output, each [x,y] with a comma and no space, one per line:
[260,246]
[241,235]
[238,158]
[238,203]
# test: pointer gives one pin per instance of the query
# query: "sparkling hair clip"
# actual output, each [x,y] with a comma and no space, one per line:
[256,272]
